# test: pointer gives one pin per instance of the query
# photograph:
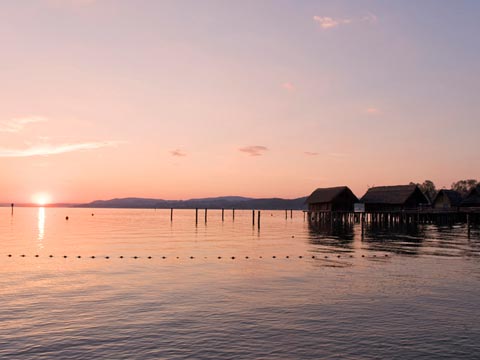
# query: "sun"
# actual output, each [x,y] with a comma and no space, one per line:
[42,199]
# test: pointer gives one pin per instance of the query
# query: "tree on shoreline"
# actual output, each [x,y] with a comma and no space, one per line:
[464,186]
[428,188]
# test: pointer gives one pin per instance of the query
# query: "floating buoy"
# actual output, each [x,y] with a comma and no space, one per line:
[64,256]
[163,257]
[246,257]
[219,257]
[66,217]
[313,256]
[93,214]
[287,257]
[9,255]
[93,257]
[191,257]
[107,257]
[326,257]
[363,255]
[233,257]
[149,257]
[338,256]
[36,255]
[78,257]
[274,257]
[50,256]
[22,255]
[135,257]
[121,256]
[300,257]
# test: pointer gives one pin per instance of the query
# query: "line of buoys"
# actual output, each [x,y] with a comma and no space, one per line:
[205,257]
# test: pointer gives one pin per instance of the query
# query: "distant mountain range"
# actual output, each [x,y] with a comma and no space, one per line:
[226,202]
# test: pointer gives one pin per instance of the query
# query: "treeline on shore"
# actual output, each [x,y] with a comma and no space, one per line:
[463,187]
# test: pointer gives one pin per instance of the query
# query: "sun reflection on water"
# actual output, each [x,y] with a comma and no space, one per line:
[41,224]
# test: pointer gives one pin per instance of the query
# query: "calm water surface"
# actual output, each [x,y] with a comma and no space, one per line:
[407,293]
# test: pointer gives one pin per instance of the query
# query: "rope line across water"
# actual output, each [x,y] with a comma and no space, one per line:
[205,257]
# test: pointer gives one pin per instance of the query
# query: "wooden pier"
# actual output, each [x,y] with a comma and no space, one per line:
[470,217]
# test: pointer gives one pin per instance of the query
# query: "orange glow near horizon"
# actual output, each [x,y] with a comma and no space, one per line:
[42,199]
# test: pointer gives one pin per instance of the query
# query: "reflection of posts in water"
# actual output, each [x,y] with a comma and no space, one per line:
[12,207]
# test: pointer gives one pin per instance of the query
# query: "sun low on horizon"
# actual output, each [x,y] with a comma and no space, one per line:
[41,199]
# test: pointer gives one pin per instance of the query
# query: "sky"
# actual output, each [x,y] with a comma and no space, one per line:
[183,99]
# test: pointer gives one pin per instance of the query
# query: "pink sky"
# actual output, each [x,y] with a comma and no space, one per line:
[184,99]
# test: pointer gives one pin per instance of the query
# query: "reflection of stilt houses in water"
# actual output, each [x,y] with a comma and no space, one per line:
[448,200]
[394,198]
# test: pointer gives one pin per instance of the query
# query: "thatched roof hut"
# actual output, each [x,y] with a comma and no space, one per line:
[447,199]
[339,198]
[472,199]
[394,198]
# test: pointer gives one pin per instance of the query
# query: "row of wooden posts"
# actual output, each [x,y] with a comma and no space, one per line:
[258,215]
[394,218]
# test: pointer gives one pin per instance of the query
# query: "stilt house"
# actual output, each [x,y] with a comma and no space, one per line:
[339,198]
[394,198]
[447,200]
[473,198]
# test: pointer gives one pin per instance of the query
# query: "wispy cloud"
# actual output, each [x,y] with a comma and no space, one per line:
[18,124]
[327,22]
[311,153]
[373,110]
[49,149]
[255,150]
[338,155]
[288,86]
[177,152]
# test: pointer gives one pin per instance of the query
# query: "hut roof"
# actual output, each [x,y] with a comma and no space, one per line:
[325,195]
[453,196]
[473,197]
[394,195]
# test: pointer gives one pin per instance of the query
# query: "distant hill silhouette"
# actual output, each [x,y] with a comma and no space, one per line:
[227,202]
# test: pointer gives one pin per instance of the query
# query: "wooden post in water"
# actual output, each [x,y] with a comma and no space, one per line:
[233,214]
[223,214]
[196,216]
[363,224]
[253,217]
[171,214]
[468,225]
[286,214]
[12,205]
[291,214]
[205,215]
[258,220]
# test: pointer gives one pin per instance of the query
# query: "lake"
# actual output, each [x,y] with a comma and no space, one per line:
[131,284]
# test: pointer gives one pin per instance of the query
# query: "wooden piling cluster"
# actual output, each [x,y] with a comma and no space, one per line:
[396,218]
